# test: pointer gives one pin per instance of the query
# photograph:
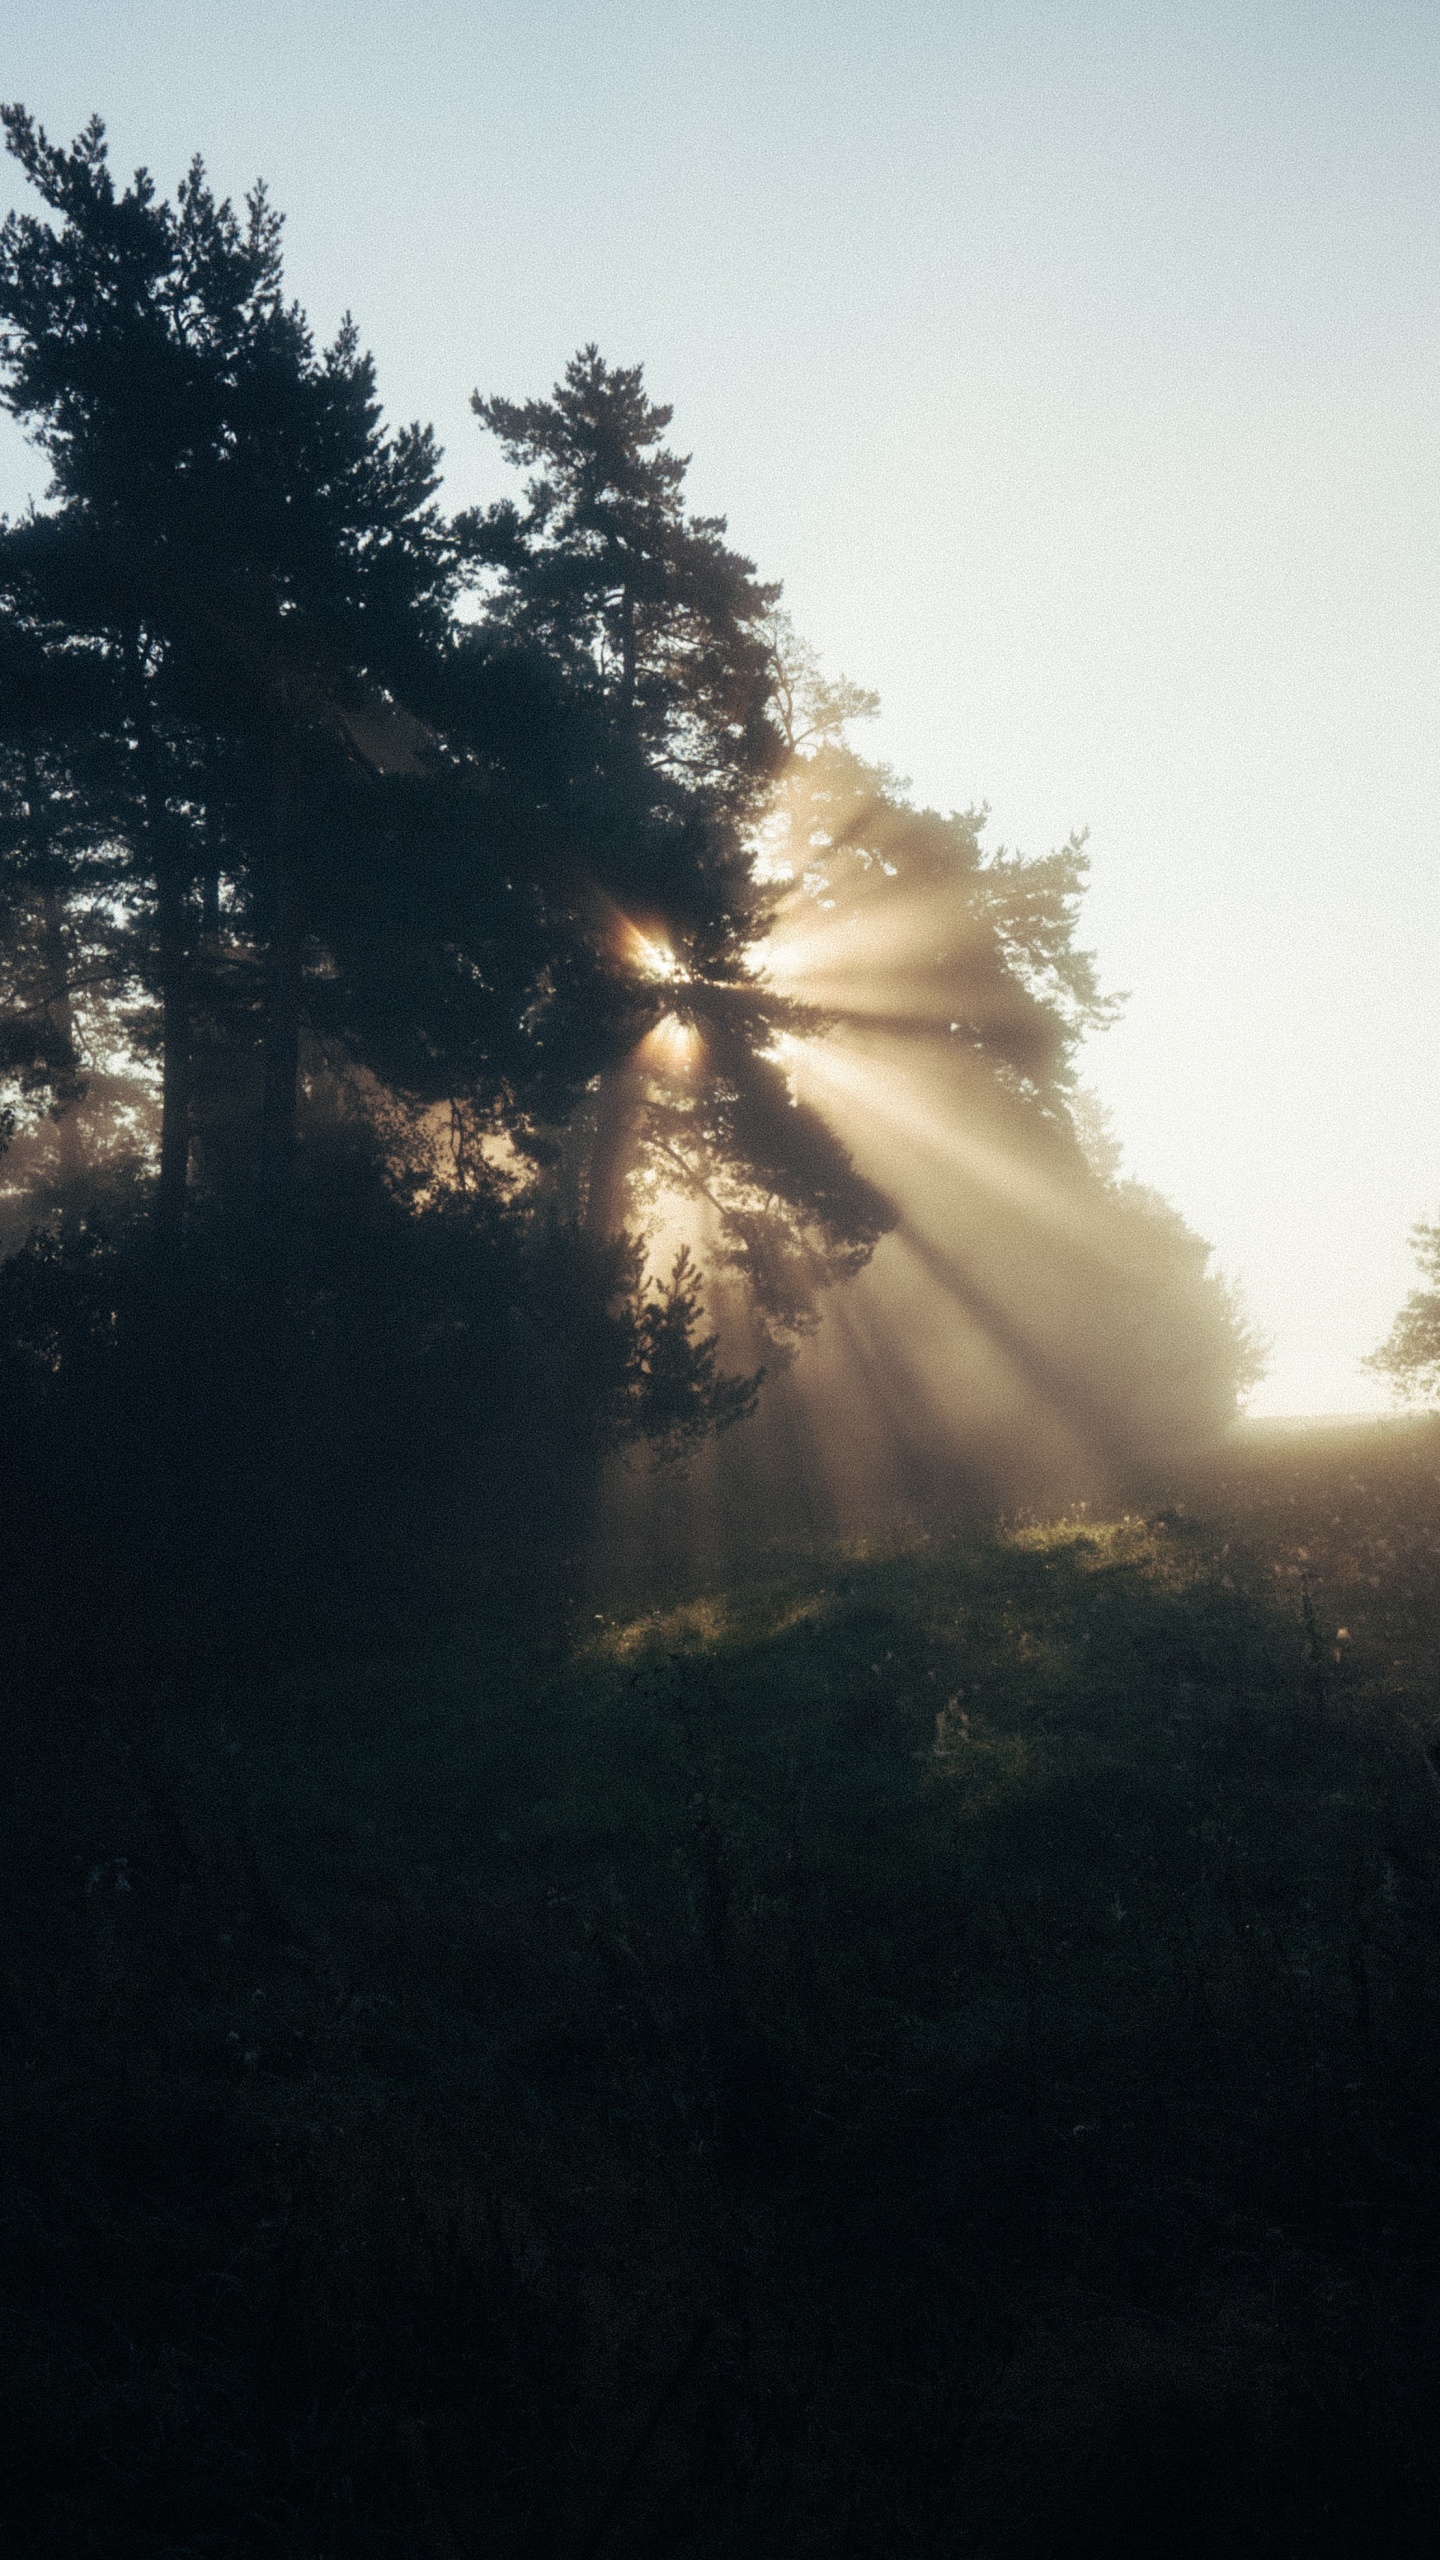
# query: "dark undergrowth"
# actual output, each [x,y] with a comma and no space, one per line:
[927,2053]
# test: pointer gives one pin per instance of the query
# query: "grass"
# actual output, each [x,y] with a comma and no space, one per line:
[925,2052]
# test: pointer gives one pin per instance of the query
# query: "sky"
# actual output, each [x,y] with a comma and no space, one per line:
[1075,367]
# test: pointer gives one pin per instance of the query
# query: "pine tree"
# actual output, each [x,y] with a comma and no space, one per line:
[258,559]
[647,608]
[668,633]
[123,326]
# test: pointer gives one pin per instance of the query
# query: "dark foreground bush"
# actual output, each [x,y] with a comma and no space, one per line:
[268,1454]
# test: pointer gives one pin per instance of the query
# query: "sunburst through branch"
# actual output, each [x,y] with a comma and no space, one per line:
[1021,1320]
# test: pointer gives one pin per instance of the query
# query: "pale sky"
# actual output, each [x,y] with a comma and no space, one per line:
[1076,369]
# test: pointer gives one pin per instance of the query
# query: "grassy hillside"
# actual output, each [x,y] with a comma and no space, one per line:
[934,2052]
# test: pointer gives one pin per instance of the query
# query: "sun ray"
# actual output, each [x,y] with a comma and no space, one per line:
[1014,1336]
[873,1103]
[672,1048]
[805,947]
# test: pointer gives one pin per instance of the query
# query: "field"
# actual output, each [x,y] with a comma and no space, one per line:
[928,2052]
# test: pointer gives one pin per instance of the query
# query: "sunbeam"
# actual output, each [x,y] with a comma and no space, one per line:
[672,1048]
[1028,1328]
[873,1103]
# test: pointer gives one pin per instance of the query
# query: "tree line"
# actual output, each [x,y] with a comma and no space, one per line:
[352,853]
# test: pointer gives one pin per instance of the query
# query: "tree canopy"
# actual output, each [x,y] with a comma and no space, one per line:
[393,914]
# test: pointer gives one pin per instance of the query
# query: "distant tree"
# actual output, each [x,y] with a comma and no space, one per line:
[1409,1357]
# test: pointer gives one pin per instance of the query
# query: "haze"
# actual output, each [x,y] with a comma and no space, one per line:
[1075,368]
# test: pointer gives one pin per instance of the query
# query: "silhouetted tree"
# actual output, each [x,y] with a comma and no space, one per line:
[660,623]
[233,529]
[50,707]
[1409,1357]
[668,638]
[123,325]
[427,884]
[251,768]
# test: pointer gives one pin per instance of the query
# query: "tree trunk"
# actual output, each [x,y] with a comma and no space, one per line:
[282,1021]
[167,869]
[65,1109]
[174,922]
[612,1151]
[67,1085]
[282,1047]
[628,651]
[168,1346]
[268,1457]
